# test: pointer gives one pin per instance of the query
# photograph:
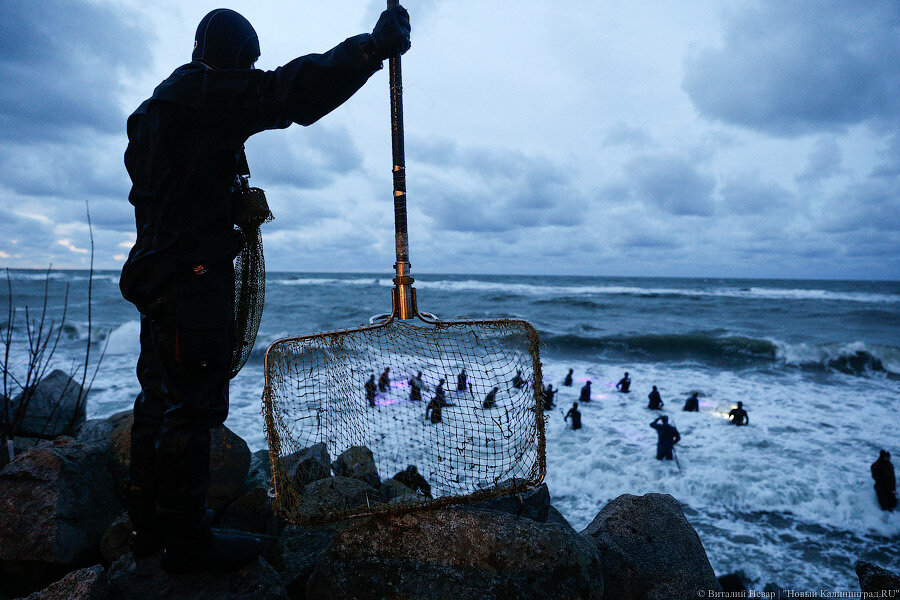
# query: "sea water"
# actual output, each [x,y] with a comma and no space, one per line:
[787,499]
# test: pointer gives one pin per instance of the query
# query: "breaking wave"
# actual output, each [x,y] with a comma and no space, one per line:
[852,358]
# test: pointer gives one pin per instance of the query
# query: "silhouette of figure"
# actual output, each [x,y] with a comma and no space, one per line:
[462,383]
[517,381]
[490,401]
[656,401]
[585,392]
[186,159]
[547,397]
[440,395]
[411,478]
[624,384]
[885,483]
[738,415]
[415,389]
[370,390]
[568,380]
[668,436]
[384,382]
[434,407]
[692,404]
[576,416]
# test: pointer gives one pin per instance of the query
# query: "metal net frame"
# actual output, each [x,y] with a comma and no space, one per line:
[439,443]
[316,395]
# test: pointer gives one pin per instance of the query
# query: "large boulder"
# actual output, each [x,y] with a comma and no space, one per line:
[100,431]
[394,491]
[308,465]
[84,584]
[56,406]
[325,497]
[229,462]
[532,504]
[144,579]
[456,553]
[299,549]
[875,580]
[260,472]
[649,550]
[357,462]
[57,500]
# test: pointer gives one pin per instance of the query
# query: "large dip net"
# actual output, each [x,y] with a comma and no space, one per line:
[407,412]
[349,412]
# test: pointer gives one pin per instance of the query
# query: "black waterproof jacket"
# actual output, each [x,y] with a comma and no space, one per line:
[185,147]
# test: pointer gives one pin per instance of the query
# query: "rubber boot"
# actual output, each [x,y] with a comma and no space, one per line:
[191,546]
[145,538]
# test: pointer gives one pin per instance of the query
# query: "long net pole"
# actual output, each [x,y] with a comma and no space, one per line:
[403,299]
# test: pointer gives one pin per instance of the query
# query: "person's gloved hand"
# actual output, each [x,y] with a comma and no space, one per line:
[391,33]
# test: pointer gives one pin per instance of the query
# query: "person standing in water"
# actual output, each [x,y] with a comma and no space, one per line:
[370,390]
[585,395]
[656,401]
[568,380]
[462,383]
[885,483]
[490,401]
[624,384]
[738,415]
[576,416]
[668,436]
[692,404]
[384,382]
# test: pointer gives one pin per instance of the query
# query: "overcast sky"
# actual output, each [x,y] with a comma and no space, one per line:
[649,138]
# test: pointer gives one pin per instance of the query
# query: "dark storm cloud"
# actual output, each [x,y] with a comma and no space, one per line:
[872,207]
[494,189]
[307,158]
[672,184]
[789,68]
[750,195]
[825,160]
[60,67]
[889,167]
[90,166]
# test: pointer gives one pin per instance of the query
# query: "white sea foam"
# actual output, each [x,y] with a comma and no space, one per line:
[527,289]
[125,339]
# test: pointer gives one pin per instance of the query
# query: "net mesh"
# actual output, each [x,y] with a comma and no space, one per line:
[249,274]
[455,417]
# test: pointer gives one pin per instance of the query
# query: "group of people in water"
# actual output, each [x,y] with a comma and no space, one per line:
[667,435]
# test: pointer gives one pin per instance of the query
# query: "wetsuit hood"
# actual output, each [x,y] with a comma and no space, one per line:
[225,40]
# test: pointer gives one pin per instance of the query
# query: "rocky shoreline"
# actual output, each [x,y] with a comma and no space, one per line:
[63,534]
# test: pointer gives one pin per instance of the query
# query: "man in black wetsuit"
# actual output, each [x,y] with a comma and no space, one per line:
[624,384]
[576,416]
[585,395]
[490,401]
[547,397]
[656,401]
[692,404]
[738,415]
[185,155]
[885,483]
[568,380]
[371,390]
[667,437]
[384,382]
[462,381]
[411,478]
[415,388]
